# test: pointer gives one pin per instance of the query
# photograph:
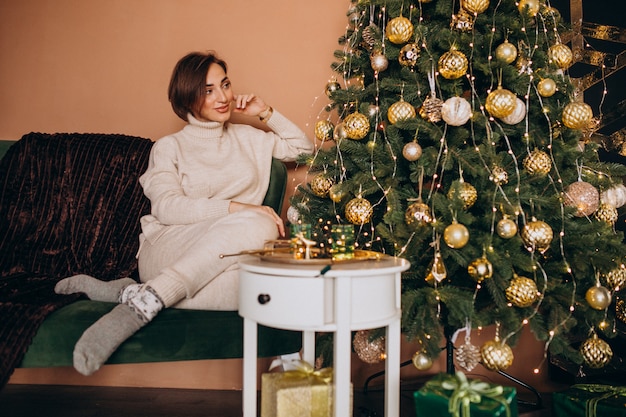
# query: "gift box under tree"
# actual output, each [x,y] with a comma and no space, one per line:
[590,400]
[455,395]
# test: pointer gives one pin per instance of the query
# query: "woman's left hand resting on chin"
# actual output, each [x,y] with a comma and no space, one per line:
[268,211]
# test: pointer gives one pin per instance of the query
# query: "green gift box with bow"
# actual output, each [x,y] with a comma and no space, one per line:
[590,400]
[457,396]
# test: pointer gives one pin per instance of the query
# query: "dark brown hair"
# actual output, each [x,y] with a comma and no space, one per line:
[187,85]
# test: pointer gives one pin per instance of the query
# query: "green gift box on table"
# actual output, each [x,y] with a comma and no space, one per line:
[590,400]
[455,395]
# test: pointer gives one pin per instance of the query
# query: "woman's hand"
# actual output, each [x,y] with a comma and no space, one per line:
[235,207]
[249,104]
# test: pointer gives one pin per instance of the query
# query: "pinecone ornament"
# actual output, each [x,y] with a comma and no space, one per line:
[467,356]
[431,109]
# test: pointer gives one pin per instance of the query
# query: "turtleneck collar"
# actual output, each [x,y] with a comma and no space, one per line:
[203,130]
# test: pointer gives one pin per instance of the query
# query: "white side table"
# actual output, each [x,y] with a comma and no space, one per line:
[348,297]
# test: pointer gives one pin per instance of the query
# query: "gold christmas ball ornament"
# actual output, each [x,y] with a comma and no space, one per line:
[465,192]
[409,54]
[615,279]
[399,30]
[537,162]
[607,213]
[598,297]
[452,64]
[546,87]
[456,235]
[480,269]
[577,115]
[496,355]
[422,361]
[359,211]
[456,111]
[560,56]
[620,310]
[501,103]
[475,6]
[431,109]
[462,21]
[324,130]
[506,228]
[615,196]
[499,175]
[412,151]
[369,351]
[379,61]
[339,133]
[320,184]
[519,113]
[418,213]
[356,125]
[551,15]
[336,193]
[596,352]
[529,6]
[583,196]
[537,235]
[399,111]
[331,87]
[522,292]
[506,52]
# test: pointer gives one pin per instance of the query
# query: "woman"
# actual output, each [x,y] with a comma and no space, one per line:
[206,185]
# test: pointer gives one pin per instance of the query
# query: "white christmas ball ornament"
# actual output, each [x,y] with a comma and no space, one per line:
[456,111]
[518,114]
[615,196]
[293,215]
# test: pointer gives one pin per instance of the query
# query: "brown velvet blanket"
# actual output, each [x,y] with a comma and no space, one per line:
[69,204]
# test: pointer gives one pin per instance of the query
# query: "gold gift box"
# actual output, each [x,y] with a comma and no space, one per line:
[292,394]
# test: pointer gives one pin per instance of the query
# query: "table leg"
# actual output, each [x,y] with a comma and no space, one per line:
[308,347]
[249,367]
[342,346]
[392,369]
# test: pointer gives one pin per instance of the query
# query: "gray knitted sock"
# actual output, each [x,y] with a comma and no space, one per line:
[95,289]
[100,340]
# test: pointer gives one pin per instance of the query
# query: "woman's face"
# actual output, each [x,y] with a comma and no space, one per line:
[216,106]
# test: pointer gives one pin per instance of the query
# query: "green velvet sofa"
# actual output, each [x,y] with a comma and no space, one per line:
[39,328]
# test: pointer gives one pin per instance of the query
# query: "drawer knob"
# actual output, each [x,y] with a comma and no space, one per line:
[264,298]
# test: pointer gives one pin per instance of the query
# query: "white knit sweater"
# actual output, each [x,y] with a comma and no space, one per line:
[194,174]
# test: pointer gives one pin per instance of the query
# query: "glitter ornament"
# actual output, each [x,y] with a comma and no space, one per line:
[452,64]
[399,111]
[456,235]
[501,102]
[409,54]
[506,52]
[519,113]
[464,191]
[551,15]
[506,228]
[546,87]
[293,215]
[422,361]
[537,235]
[620,310]
[412,151]
[496,355]
[521,292]
[324,130]
[537,163]
[399,30]
[615,279]
[560,56]
[456,111]
[596,352]
[331,87]
[359,211]
[379,61]
[583,196]
[499,175]
[598,297]
[607,213]
[336,193]
[529,6]
[462,21]
[369,351]
[480,269]
[418,213]
[431,109]
[577,115]
[467,356]
[320,184]
[339,133]
[615,196]
[356,125]
[475,6]
[437,270]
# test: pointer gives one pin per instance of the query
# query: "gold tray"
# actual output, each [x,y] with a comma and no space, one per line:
[280,255]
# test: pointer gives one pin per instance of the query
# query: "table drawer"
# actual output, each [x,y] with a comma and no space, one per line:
[282,301]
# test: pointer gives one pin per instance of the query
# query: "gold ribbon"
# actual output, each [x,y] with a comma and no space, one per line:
[306,370]
[466,392]
[608,391]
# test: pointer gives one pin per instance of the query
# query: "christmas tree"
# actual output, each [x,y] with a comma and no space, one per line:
[455,138]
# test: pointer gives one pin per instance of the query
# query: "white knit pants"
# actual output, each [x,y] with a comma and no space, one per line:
[189,255]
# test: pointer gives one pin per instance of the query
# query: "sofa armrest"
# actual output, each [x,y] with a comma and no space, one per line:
[4,146]
[278,184]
